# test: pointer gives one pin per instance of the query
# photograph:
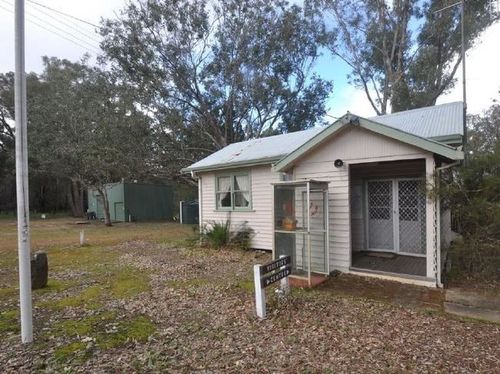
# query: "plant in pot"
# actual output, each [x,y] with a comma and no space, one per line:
[289,222]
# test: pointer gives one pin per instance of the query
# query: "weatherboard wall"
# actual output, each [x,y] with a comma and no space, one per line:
[352,146]
[259,217]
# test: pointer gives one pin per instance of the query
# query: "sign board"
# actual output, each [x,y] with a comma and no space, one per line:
[265,275]
[269,279]
[276,264]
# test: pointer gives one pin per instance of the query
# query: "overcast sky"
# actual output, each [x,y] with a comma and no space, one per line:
[483,77]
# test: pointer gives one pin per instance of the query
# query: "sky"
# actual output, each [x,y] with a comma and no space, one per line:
[483,77]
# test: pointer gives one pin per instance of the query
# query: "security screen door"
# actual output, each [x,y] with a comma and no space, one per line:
[396,216]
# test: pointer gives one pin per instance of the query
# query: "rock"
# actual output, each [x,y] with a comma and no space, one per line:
[39,270]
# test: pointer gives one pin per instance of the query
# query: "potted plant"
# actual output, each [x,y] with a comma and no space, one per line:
[289,223]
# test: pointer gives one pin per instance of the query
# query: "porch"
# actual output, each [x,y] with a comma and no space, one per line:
[389,225]
[389,263]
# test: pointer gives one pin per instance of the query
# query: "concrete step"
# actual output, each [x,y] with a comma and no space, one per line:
[472,312]
[472,304]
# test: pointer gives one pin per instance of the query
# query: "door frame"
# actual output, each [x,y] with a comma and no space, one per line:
[395,216]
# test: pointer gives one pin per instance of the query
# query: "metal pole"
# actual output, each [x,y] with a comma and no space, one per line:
[464,83]
[22,179]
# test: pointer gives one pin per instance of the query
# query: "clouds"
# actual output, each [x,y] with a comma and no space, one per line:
[40,42]
[483,73]
[483,81]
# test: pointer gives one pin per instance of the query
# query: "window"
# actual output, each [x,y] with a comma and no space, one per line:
[232,192]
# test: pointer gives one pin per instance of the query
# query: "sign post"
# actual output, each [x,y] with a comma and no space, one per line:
[265,275]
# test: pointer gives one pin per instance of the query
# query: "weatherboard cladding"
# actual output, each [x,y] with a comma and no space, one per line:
[430,122]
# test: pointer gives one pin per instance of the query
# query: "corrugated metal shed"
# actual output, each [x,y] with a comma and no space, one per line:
[436,122]
[429,122]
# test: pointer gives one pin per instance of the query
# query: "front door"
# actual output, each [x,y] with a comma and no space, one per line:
[396,216]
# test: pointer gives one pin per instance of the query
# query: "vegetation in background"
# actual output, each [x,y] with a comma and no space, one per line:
[404,54]
[216,72]
[473,194]
[221,234]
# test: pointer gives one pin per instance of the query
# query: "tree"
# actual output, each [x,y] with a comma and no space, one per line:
[484,131]
[213,73]
[404,54]
[84,130]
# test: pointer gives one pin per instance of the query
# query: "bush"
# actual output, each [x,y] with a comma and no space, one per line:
[220,234]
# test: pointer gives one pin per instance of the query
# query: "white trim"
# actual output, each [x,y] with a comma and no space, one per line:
[429,217]
[395,278]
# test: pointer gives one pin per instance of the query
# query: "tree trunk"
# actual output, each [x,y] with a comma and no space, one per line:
[107,216]
[75,198]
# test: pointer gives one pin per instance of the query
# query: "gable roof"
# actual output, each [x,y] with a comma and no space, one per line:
[440,122]
[435,125]
[376,127]
[254,152]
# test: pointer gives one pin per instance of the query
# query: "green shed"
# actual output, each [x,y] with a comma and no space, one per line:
[134,202]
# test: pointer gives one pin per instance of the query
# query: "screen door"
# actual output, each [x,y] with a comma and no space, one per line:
[380,215]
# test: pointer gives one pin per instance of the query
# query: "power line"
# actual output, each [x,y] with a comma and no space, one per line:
[89,36]
[64,14]
[54,32]
[56,27]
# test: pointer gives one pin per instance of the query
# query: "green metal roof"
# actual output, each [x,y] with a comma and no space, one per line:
[352,120]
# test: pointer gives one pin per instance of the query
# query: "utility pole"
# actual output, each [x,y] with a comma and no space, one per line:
[464,83]
[23,233]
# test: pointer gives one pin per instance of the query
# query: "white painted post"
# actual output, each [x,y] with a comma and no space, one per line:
[285,286]
[430,207]
[260,294]
[23,233]
[82,237]
[180,213]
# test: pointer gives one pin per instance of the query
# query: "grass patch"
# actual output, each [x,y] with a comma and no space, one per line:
[138,329]
[8,292]
[88,298]
[247,285]
[128,282]
[74,350]
[9,322]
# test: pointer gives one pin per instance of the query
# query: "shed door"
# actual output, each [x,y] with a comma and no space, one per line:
[380,215]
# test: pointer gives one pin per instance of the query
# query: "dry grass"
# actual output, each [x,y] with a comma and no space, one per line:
[137,300]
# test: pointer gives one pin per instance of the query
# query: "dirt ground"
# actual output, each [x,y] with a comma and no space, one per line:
[138,299]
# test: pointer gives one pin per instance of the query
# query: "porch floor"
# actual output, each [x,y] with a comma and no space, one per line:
[400,264]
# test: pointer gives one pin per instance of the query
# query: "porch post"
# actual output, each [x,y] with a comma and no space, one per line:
[430,225]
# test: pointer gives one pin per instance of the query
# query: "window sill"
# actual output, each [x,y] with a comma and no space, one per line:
[233,210]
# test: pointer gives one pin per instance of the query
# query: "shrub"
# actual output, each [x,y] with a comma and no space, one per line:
[220,234]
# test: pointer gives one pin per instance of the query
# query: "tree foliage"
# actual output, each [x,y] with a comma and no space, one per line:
[84,128]
[213,73]
[473,193]
[404,54]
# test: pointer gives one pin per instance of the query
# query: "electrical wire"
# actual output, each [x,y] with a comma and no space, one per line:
[93,50]
[56,27]
[64,14]
[87,35]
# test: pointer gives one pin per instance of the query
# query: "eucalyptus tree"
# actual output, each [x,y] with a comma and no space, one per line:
[404,54]
[215,72]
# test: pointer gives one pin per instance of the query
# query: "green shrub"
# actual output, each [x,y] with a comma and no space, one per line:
[220,234]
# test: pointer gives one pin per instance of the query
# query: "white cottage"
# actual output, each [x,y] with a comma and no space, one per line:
[350,196]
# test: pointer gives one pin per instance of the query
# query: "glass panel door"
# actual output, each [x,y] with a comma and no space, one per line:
[380,215]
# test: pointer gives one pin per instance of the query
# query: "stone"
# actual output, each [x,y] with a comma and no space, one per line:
[39,270]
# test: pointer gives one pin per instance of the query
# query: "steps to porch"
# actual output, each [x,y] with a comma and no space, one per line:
[472,304]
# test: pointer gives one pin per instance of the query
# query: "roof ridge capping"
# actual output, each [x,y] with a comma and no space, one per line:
[374,126]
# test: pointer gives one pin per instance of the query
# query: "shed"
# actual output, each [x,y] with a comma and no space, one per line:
[134,202]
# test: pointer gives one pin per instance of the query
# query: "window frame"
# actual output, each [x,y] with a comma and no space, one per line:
[232,191]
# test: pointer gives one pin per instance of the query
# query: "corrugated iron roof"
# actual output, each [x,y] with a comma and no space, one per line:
[262,149]
[429,122]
